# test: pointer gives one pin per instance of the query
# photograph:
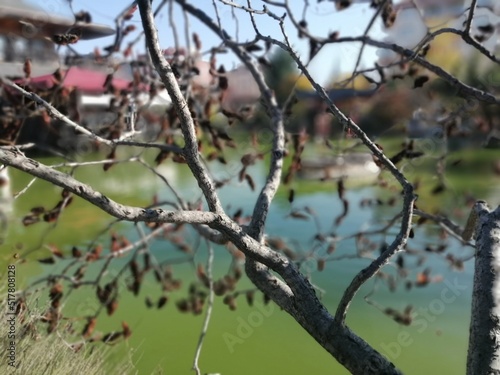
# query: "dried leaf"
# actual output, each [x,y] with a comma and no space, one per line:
[30,220]
[250,297]
[438,189]
[487,29]
[75,252]
[341,188]
[56,292]
[302,25]
[49,260]
[126,330]
[250,181]
[37,210]
[130,12]
[79,273]
[55,251]
[342,4]
[200,271]
[94,254]
[298,215]
[112,306]
[421,220]
[419,81]
[162,302]
[111,337]
[388,14]
[334,35]
[423,278]
[27,68]
[197,41]
[111,156]
[230,301]
[51,216]
[321,264]
[89,327]
[331,248]
[267,299]
[223,82]
[253,48]
[313,48]
[249,159]
[400,261]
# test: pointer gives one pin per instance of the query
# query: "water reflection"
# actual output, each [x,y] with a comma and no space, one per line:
[165,337]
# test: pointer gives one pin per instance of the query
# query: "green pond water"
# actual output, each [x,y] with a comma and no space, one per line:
[262,339]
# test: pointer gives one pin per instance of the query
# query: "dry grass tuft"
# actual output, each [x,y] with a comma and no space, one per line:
[54,354]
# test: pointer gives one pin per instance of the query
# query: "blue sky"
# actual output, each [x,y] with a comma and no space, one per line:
[322,17]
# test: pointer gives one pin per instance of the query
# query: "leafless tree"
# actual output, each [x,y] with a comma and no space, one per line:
[271,269]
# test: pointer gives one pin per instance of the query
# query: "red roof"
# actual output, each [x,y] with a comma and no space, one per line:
[88,81]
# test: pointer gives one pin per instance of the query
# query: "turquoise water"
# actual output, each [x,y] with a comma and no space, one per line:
[260,339]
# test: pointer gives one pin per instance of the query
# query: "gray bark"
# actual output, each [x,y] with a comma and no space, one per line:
[484,341]
[293,292]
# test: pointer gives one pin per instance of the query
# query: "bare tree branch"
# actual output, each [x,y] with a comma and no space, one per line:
[484,351]
[261,208]
[275,271]
[470,17]
[17,160]
[187,123]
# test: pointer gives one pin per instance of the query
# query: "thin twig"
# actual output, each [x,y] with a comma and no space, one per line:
[206,321]
[470,17]
[164,69]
